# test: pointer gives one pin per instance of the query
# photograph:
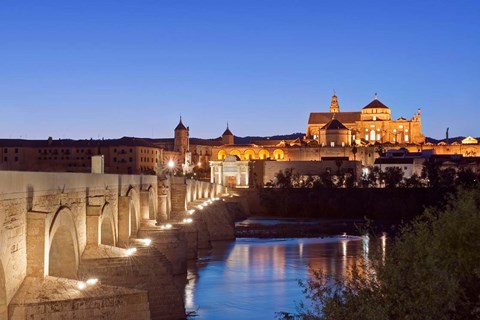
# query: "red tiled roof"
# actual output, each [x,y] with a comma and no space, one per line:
[376,104]
[334,124]
[325,117]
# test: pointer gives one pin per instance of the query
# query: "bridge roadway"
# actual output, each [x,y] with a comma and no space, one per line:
[58,230]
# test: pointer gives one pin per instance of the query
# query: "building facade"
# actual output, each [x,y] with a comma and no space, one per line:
[373,124]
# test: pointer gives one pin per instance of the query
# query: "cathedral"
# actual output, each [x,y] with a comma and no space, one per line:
[373,124]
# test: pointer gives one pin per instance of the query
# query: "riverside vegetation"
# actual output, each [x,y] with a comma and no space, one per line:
[430,271]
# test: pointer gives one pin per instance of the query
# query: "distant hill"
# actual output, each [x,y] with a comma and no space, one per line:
[250,139]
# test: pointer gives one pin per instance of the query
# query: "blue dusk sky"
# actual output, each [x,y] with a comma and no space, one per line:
[105,68]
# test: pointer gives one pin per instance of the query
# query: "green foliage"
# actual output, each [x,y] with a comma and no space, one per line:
[413,182]
[431,271]
[392,176]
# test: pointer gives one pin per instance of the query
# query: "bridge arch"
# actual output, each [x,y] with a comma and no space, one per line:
[108,231]
[134,211]
[63,252]
[152,203]
[3,293]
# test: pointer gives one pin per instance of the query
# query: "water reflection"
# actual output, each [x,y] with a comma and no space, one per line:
[254,278]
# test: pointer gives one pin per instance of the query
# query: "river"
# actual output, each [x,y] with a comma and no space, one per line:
[254,278]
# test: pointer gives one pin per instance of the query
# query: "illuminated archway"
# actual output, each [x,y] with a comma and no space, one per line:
[372,135]
[236,153]
[133,221]
[63,254]
[134,211]
[263,154]
[152,204]
[107,226]
[221,155]
[278,154]
[249,154]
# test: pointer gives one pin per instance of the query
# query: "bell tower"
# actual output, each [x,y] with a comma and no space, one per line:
[181,138]
[227,136]
[334,107]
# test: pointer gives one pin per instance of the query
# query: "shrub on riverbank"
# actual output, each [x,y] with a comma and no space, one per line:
[430,272]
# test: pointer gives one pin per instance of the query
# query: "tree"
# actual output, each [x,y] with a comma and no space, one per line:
[447,177]
[467,178]
[413,182]
[430,272]
[283,179]
[393,177]
[372,178]
[431,172]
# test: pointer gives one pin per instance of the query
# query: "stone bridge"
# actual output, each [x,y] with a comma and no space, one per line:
[97,246]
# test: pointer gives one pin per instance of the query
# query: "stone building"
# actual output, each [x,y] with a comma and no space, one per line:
[126,155]
[373,124]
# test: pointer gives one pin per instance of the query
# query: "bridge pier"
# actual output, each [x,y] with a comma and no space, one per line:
[162,214]
[144,205]
[124,220]
[37,244]
[94,227]
[178,194]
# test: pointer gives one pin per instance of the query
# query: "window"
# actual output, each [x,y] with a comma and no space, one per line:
[343,144]
[406,138]
[366,137]
[378,136]
[374,118]
[5,159]
[332,144]
[372,135]
[131,150]
[5,150]
[114,159]
[16,150]
[130,159]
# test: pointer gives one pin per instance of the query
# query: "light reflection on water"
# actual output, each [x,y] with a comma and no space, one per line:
[254,278]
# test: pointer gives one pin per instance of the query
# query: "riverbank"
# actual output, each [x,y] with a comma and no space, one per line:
[273,227]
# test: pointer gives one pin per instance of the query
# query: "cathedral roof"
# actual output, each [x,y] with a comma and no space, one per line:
[324,117]
[375,104]
[334,124]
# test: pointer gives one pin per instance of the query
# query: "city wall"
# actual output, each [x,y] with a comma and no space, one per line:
[384,206]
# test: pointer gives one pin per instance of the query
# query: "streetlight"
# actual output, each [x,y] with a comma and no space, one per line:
[171,166]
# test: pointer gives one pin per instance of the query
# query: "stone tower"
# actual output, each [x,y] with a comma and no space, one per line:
[227,136]
[334,107]
[181,138]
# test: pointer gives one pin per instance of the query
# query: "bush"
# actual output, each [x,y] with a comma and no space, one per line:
[431,272]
